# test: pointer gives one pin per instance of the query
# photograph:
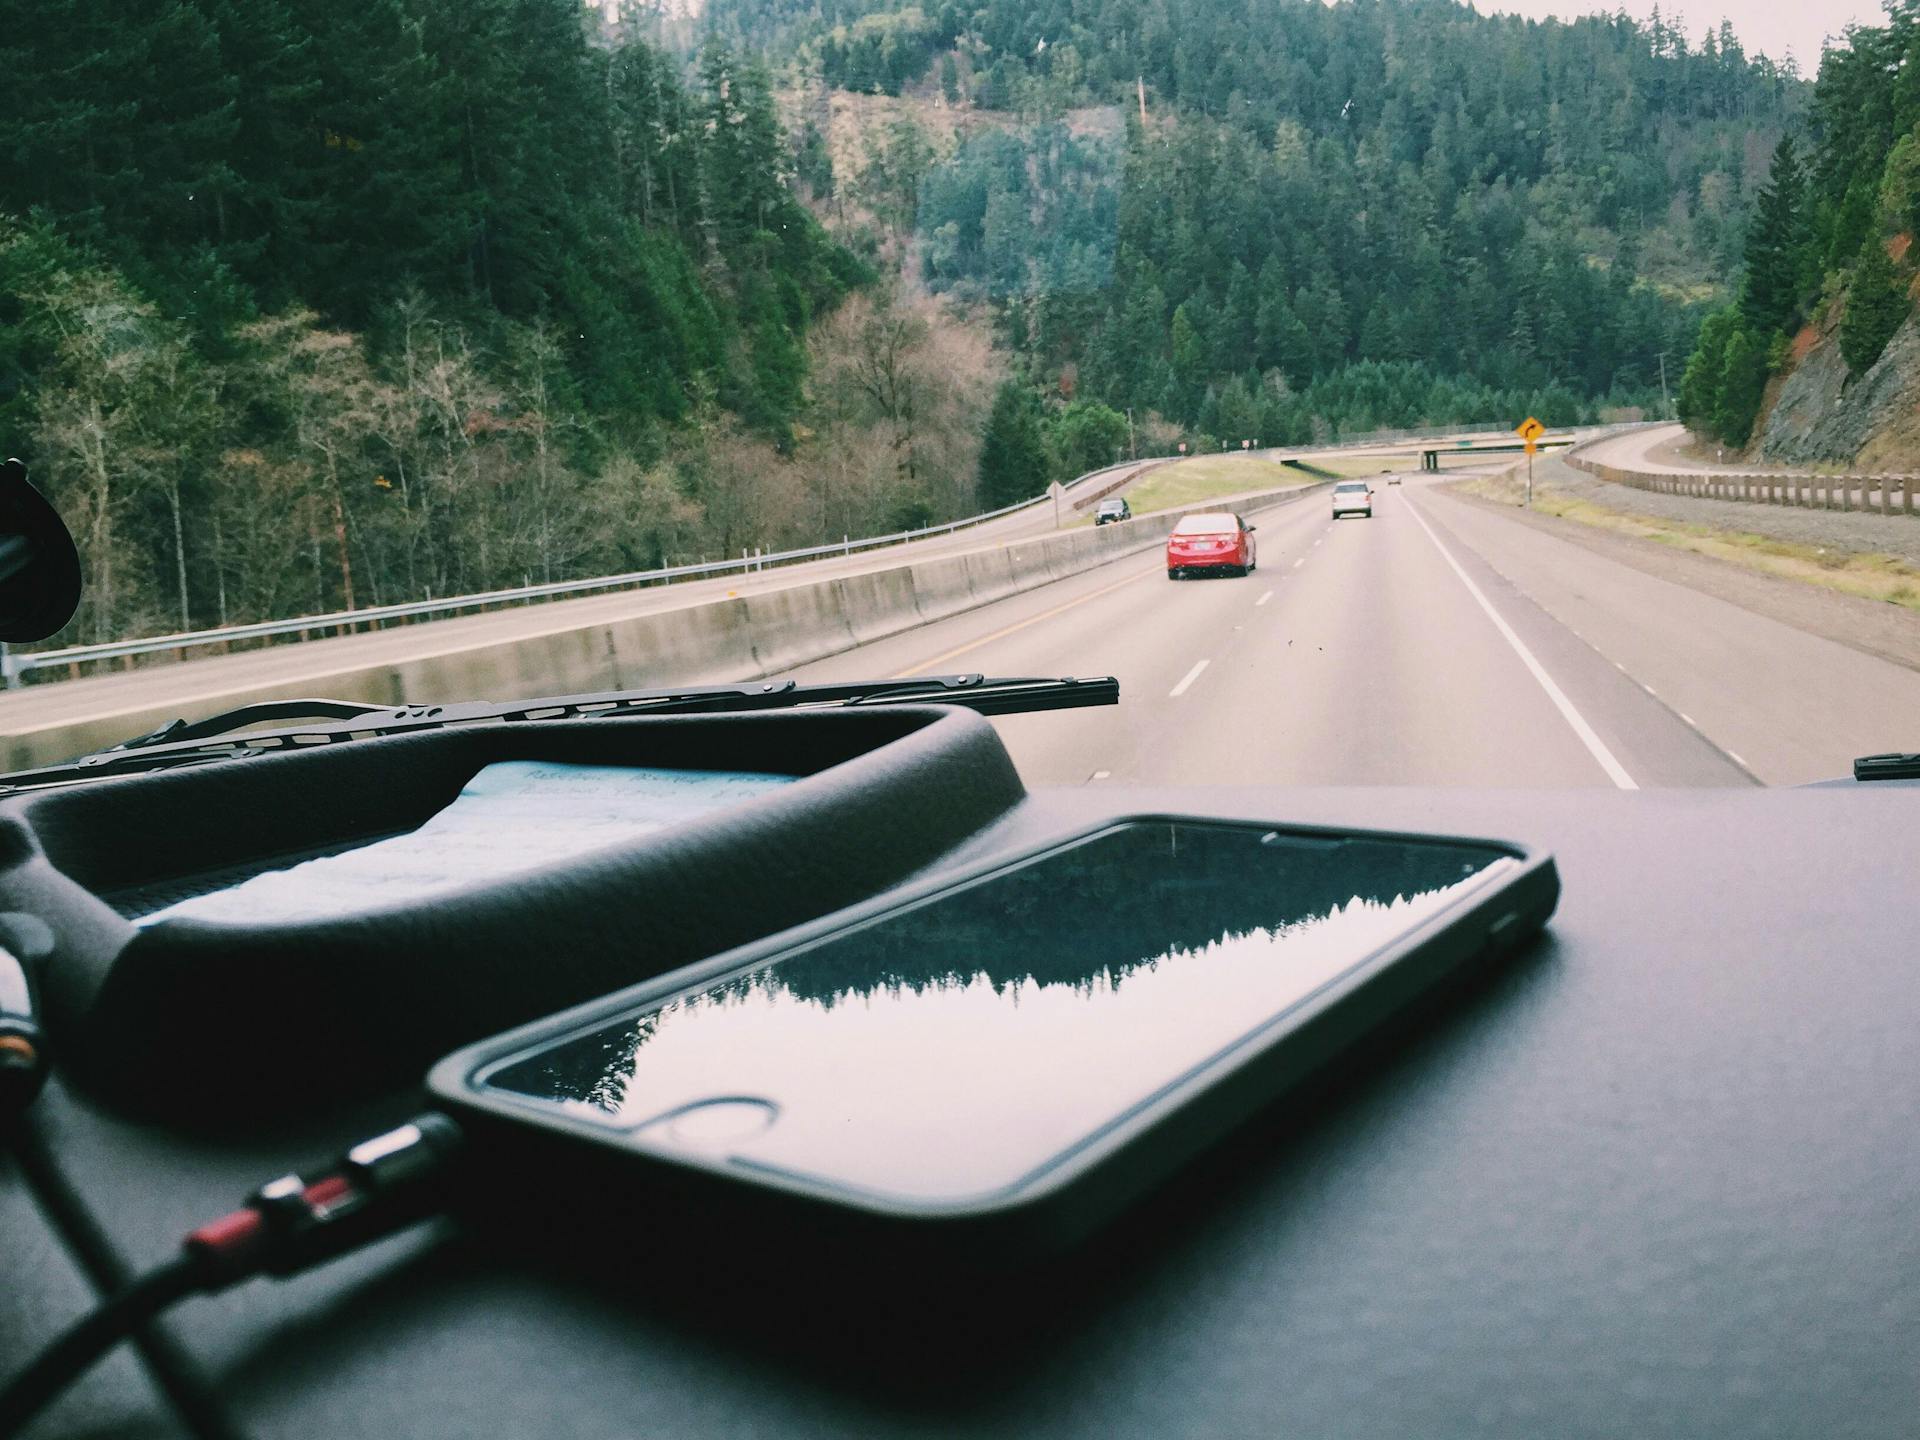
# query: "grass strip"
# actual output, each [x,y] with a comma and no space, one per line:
[1866,574]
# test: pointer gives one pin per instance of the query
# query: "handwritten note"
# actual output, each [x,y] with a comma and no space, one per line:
[511,818]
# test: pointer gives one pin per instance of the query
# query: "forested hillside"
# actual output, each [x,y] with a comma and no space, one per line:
[305,306]
[1311,217]
[1828,255]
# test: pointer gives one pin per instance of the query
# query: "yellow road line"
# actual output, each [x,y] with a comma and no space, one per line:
[960,650]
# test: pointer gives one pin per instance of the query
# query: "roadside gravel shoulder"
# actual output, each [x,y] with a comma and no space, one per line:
[1854,531]
[1889,631]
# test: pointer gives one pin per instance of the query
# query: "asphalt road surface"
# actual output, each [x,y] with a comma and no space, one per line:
[1438,643]
[208,683]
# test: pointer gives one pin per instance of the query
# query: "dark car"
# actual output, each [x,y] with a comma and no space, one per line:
[1114,509]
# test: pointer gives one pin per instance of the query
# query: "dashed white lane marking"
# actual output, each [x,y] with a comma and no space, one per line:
[1264,598]
[1596,747]
[1187,680]
[1100,774]
[1301,561]
[1316,544]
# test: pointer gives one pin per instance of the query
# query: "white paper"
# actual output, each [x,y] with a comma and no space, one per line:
[511,818]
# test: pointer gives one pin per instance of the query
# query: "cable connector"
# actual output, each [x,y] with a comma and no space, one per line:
[289,1224]
[379,1186]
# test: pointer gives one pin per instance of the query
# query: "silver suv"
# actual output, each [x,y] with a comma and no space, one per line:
[1353,497]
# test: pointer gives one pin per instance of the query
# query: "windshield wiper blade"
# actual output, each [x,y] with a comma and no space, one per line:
[1894,766]
[217,737]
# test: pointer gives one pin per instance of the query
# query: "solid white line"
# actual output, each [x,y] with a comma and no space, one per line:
[1686,717]
[1191,676]
[1738,761]
[1264,598]
[1596,747]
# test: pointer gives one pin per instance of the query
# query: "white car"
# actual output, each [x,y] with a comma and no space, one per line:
[1353,497]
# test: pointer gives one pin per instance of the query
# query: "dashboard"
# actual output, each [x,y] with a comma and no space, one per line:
[1657,1175]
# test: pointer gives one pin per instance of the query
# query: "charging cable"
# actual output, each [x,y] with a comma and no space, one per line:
[286,1226]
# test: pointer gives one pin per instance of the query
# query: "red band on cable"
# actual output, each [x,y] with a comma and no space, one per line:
[327,1192]
[229,1232]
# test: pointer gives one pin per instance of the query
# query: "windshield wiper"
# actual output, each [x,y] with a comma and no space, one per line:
[215,738]
[1894,766]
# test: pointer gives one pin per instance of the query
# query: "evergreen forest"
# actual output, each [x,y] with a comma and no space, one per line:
[307,307]
[1828,246]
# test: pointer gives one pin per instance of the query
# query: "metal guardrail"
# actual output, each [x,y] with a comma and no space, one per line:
[15,664]
[1806,489]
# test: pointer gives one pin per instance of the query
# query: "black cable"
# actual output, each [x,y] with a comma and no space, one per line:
[286,1226]
[67,1358]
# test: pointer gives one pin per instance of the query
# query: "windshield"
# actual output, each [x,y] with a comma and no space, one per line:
[439,351]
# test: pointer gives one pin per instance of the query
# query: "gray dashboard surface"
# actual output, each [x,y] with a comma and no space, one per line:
[41,1287]
[1659,1177]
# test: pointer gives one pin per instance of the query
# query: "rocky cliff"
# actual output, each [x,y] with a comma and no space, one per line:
[1872,422]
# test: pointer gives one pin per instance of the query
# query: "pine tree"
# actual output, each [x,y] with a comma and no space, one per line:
[1013,456]
[1743,383]
[1705,375]
[1877,303]
[1777,238]
[1190,356]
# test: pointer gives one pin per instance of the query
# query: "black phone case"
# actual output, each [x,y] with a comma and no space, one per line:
[541,1161]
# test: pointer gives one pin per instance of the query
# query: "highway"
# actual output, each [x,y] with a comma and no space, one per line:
[207,682]
[1654,451]
[50,721]
[1439,643]
[1443,642]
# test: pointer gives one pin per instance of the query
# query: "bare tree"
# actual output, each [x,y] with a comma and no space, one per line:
[113,415]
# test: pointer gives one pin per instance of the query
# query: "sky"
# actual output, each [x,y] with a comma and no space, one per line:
[1775,28]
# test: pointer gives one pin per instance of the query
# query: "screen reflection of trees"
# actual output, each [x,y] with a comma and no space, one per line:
[1091,914]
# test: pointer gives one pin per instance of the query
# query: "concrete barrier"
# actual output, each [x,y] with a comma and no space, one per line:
[691,646]
[940,587]
[580,659]
[721,640]
[792,626]
[878,603]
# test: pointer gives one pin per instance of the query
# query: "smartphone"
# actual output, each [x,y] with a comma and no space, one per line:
[1009,1055]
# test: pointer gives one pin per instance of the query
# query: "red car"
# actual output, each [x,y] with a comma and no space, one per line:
[1215,542]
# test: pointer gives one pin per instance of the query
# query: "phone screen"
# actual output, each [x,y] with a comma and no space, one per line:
[956,1047]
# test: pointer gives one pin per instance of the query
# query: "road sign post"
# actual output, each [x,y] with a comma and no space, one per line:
[1056,490]
[1530,430]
